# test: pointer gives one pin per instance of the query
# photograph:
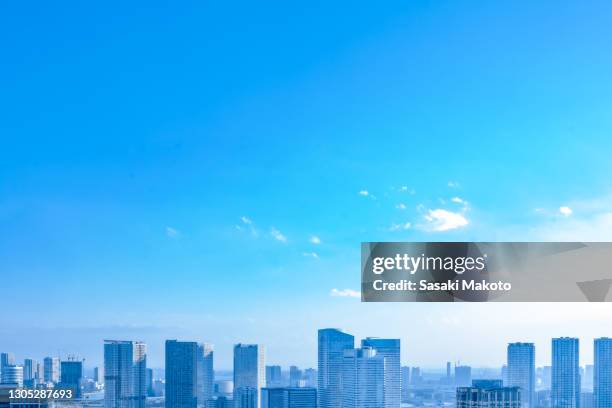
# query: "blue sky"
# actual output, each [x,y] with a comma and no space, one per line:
[208,170]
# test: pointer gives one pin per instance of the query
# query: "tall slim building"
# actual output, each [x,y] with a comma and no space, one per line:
[29,369]
[405,382]
[521,371]
[99,375]
[331,346]
[273,376]
[206,373]
[125,364]
[51,367]
[249,375]
[389,349]
[602,375]
[6,359]
[71,376]
[295,376]
[565,392]
[363,379]
[181,374]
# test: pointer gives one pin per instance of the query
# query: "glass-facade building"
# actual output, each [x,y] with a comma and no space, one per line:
[389,349]
[181,374]
[125,365]
[565,387]
[521,371]
[602,373]
[249,375]
[331,346]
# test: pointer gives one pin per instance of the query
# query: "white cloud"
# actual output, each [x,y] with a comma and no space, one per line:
[401,206]
[277,235]
[405,189]
[311,255]
[172,232]
[315,240]
[364,193]
[246,220]
[453,184]
[345,293]
[566,211]
[398,227]
[457,200]
[443,220]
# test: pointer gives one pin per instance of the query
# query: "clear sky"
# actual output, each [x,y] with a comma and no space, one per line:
[207,170]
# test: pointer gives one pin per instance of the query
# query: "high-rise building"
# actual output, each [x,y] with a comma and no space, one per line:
[99,375]
[521,371]
[602,374]
[206,373]
[463,376]
[363,379]
[405,383]
[389,349]
[565,392]
[125,364]
[249,375]
[71,376]
[12,374]
[587,380]
[29,370]
[310,378]
[290,397]
[475,397]
[181,374]
[331,346]
[6,359]
[295,376]
[51,370]
[273,376]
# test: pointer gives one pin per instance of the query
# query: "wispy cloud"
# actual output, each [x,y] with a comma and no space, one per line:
[364,193]
[172,233]
[458,200]
[247,224]
[277,235]
[406,189]
[315,240]
[439,220]
[401,206]
[565,211]
[399,227]
[246,220]
[345,293]
[453,184]
[311,255]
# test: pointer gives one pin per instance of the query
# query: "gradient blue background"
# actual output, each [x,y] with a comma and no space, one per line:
[134,137]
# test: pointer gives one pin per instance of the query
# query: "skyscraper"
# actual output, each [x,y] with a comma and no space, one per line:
[463,376]
[273,376]
[565,391]
[521,371]
[363,379]
[99,375]
[290,397]
[6,359]
[331,346]
[477,397]
[51,369]
[295,376]
[29,370]
[389,349]
[71,376]
[602,375]
[181,374]
[206,373]
[125,364]
[12,374]
[249,375]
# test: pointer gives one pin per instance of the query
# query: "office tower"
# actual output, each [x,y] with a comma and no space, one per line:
[565,391]
[295,376]
[290,397]
[149,383]
[475,397]
[71,376]
[273,376]
[331,346]
[6,359]
[51,370]
[547,377]
[415,376]
[602,373]
[99,375]
[125,364]
[504,374]
[405,383]
[206,373]
[249,375]
[587,380]
[28,369]
[310,378]
[363,379]
[12,374]
[389,349]
[463,376]
[587,400]
[181,374]
[521,371]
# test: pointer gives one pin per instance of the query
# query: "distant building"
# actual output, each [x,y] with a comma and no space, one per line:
[6,359]
[405,383]
[463,376]
[12,375]
[295,376]
[586,400]
[71,376]
[310,378]
[51,366]
[602,378]
[273,376]
[290,397]
[487,384]
[565,392]
[587,379]
[331,346]
[99,375]
[206,373]
[474,397]
[125,364]
[521,371]
[249,375]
